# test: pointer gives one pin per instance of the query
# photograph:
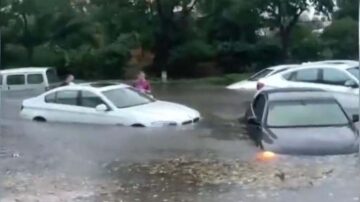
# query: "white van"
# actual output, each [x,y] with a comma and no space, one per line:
[30,78]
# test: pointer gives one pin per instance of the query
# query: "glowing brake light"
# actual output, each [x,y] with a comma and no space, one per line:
[259,85]
[266,156]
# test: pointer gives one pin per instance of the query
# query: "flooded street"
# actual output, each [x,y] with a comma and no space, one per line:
[209,162]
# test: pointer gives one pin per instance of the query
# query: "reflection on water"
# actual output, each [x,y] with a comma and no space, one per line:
[211,161]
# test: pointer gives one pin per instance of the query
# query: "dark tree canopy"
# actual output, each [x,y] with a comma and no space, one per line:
[283,15]
[106,38]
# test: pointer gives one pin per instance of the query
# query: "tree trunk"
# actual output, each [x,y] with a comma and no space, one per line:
[2,53]
[285,43]
[161,55]
[30,54]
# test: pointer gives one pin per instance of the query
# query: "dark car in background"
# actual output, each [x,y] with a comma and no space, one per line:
[301,121]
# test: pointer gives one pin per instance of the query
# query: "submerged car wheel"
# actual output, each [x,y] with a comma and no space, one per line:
[138,125]
[39,119]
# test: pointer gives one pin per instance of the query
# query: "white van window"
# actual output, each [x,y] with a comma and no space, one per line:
[52,76]
[1,80]
[16,79]
[35,79]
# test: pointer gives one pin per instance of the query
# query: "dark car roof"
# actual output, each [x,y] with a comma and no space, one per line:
[284,94]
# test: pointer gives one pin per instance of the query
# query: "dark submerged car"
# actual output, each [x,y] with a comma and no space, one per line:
[301,122]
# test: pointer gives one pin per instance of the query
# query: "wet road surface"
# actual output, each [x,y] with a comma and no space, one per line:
[209,162]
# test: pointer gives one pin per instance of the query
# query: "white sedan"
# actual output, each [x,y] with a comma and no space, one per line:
[106,103]
[339,79]
[250,84]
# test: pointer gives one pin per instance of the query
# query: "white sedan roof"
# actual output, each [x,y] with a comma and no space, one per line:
[325,65]
[278,67]
[98,87]
[335,62]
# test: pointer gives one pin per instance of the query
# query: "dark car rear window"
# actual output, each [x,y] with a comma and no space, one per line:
[305,113]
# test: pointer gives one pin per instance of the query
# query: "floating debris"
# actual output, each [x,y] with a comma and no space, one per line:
[207,172]
[177,179]
[8,154]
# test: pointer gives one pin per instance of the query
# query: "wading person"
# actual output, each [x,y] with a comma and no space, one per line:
[68,80]
[142,84]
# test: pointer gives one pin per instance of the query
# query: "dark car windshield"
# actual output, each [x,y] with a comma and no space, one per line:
[261,74]
[127,97]
[354,71]
[305,114]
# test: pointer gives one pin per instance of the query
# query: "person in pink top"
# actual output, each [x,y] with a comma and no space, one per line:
[142,84]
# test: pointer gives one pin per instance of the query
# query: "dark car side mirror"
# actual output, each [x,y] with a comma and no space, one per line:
[253,121]
[355,118]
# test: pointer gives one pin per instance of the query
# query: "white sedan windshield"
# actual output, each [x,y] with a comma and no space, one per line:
[127,97]
[354,71]
[305,113]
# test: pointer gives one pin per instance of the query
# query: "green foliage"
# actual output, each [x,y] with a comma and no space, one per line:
[348,8]
[308,49]
[283,15]
[188,38]
[183,58]
[192,50]
[300,32]
[51,22]
[267,52]
[342,38]
[234,56]
[306,46]
[104,62]
[231,20]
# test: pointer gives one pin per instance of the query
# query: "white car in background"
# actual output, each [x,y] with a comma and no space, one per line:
[250,84]
[340,79]
[29,78]
[106,103]
[336,62]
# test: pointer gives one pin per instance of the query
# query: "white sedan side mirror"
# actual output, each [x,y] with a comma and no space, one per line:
[351,84]
[101,108]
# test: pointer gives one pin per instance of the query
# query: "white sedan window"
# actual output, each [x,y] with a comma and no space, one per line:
[354,71]
[89,99]
[307,75]
[67,97]
[335,77]
[50,98]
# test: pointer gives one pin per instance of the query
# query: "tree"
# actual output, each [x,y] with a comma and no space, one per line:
[231,26]
[283,15]
[345,29]
[172,22]
[306,46]
[117,17]
[42,22]
[347,8]
[5,16]
[230,20]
